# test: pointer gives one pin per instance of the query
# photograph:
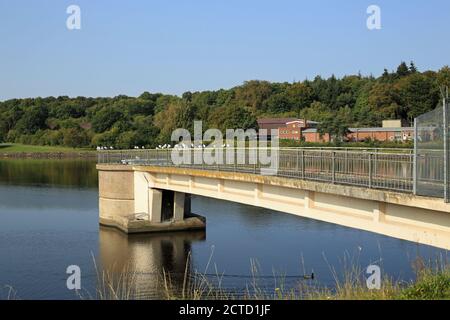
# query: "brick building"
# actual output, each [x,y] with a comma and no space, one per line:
[306,130]
[288,128]
[293,129]
[364,134]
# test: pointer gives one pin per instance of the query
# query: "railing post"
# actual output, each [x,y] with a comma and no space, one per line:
[446,160]
[303,164]
[297,166]
[235,160]
[370,170]
[333,167]
[375,164]
[346,160]
[415,155]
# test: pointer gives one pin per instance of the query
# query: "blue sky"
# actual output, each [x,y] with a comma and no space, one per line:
[127,47]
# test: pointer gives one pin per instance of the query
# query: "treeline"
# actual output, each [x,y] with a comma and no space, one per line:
[148,120]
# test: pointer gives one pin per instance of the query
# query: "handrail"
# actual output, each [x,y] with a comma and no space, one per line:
[357,167]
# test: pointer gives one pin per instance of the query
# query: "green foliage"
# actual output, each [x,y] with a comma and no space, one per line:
[149,119]
[337,124]
[105,119]
[32,120]
[429,286]
[75,138]
[232,117]
[316,112]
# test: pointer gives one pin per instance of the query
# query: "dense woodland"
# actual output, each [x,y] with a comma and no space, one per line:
[148,120]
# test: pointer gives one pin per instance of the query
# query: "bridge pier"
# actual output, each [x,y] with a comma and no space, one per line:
[127,202]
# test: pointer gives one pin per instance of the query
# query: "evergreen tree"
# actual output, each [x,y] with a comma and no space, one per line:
[402,70]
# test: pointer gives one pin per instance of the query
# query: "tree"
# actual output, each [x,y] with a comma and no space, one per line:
[402,70]
[252,94]
[337,125]
[165,121]
[105,119]
[3,130]
[232,117]
[443,77]
[316,112]
[383,102]
[75,138]
[127,140]
[33,119]
[187,96]
[277,103]
[185,117]
[146,132]
[412,68]
[418,94]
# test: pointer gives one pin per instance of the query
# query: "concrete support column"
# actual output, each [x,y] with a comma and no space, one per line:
[220,186]
[309,199]
[178,206]
[155,205]
[116,193]
[187,205]
[379,212]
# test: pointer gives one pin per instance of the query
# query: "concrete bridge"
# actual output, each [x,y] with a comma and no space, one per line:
[143,191]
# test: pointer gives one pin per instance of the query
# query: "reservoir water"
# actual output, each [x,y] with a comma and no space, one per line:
[49,221]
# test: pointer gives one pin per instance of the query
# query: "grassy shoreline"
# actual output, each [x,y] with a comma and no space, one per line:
[9,150]
[432,282]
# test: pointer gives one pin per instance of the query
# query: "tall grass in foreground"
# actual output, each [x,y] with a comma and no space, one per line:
[8,293]
[432,282]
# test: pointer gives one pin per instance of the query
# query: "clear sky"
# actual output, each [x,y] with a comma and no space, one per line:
[127,47]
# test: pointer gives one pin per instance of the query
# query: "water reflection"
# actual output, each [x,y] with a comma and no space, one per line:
[144,257]
[52,173]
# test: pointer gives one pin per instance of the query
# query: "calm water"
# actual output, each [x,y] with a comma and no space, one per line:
[49,220]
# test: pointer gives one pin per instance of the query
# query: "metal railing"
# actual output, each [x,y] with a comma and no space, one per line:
[371,169]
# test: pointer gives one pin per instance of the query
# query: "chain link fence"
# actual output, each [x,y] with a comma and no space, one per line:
[431,160]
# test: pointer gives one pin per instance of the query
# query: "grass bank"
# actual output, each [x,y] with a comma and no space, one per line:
[431,283]
[13,150]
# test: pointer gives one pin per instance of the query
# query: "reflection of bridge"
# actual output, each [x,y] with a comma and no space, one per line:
[367,190]
[139,261]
